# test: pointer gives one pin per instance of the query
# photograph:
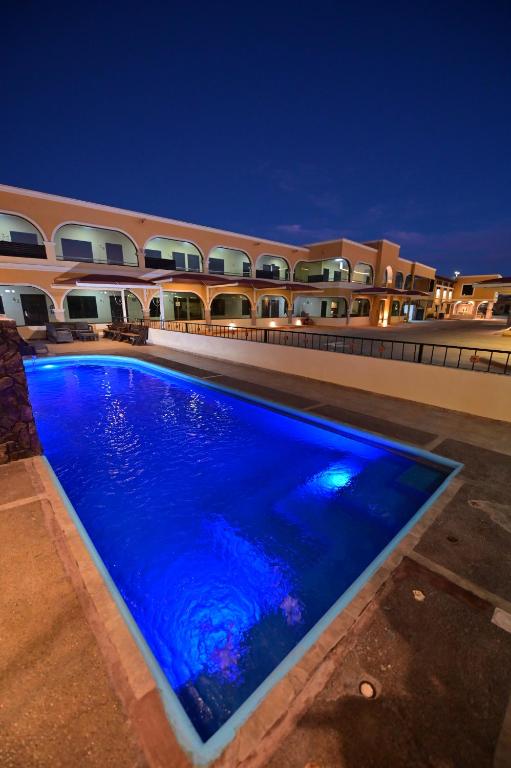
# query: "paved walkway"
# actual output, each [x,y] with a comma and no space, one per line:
[433,642]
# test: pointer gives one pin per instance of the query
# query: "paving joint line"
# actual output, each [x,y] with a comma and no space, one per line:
[469,586]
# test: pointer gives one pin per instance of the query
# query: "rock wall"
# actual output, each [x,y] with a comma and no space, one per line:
[18,434]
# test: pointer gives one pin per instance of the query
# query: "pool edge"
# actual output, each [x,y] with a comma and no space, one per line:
[209,752]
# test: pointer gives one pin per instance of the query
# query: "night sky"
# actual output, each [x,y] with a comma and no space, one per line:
[293,121]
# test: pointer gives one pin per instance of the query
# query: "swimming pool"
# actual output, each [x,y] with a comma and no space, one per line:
[231,530]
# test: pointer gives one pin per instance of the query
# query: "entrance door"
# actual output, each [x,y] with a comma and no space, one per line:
[116,308]
[180,308]
[324,305]
[35,309]
[326,275]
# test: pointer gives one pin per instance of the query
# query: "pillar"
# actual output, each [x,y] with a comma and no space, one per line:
[59,315]
[124,307]
[489,311]
[51,254]
[253,315]
[207,315]
[162,304]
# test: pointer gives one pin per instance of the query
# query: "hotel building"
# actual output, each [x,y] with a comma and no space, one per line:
[64,260]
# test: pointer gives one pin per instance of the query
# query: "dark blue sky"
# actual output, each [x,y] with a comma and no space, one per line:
[295,121]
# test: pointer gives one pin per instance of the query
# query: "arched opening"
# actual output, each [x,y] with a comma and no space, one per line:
[272,268]
[166,253]
[100,306]
[231,306]
[80,242]
[19,237]
[272,306]
[26,304]
[321,306]
[395,308]
[360,308]
[326,271]
[362,273]
[482,308]
[408,283]
[387,276]
[399,280]
[178,305]
[229,261]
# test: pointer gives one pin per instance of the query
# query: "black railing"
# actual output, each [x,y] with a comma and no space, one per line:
[24,250]
[443,355]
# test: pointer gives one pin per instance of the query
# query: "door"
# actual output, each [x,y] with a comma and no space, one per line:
[216,266]
[324,305]
[116,308]
[35,309]
[326,275]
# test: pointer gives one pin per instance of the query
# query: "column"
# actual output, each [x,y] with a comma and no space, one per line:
[124,307]
[162,304]
[51,254]
[59,315]
[489,311]
[207,315]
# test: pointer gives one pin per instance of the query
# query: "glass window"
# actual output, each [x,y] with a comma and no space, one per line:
[76,250]
[394,310]
[408,283]
[399,280]
[179,258]
[467,290]
[28,238]
[193,262]
[82,307]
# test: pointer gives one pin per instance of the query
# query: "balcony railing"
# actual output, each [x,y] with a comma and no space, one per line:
[443,355]
[95,260]
[23,250]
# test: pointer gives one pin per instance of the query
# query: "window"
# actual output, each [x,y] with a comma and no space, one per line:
[408,283]
[399,280]
[193,262]
[216,266]
[82,307]
[394,310]
[28,238]
[179,258]
[114,253]
[360,308]
[467,290]
[2,311]
[76,250]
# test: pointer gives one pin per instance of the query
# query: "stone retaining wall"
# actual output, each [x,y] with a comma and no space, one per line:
[18,434]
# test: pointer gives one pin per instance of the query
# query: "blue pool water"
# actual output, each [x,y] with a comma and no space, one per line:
[229,528]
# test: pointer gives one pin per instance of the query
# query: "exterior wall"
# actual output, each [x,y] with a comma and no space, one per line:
[467,391]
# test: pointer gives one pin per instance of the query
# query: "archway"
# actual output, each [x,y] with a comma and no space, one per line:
[324,271]
[229,261]
[181,254]
[272,306]
[26,304]
[86,243]
[231,306]
[20,237]
[101,306]
[272,267]
[362,273]
[178,305]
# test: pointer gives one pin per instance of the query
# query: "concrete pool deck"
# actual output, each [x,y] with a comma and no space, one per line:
[441,666]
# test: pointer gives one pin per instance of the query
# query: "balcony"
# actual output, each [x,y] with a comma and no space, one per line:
[22,250]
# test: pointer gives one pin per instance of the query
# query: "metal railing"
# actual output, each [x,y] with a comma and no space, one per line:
[443,355]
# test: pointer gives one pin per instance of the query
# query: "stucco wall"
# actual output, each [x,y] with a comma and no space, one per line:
[480,394]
